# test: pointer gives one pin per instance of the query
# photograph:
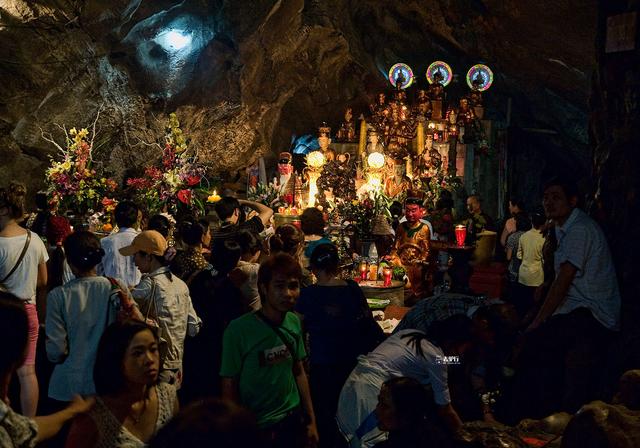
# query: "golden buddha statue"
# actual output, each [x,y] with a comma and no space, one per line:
[373,142]
[324,141]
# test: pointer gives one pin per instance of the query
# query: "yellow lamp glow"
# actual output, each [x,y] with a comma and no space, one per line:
[376,160]
[315,159]
[315,162]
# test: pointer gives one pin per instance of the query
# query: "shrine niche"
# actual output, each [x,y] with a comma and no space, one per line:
[407,139]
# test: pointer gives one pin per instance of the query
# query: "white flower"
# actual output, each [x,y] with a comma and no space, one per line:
[172,179]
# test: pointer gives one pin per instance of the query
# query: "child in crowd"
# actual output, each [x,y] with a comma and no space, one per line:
[58,228]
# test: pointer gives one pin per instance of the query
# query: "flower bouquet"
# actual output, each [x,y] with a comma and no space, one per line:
[74,185]
[176,183]
[267,194]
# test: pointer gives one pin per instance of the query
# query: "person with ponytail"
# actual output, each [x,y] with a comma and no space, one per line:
[23,271]
[77,314]
[164,299]
[408,353]
[195,236]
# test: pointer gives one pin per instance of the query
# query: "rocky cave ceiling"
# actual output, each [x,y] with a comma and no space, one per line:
[244,75]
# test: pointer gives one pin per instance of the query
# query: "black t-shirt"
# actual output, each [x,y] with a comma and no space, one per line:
[336,318]
[217,302]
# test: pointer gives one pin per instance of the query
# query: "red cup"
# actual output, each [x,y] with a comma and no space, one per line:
[461,235]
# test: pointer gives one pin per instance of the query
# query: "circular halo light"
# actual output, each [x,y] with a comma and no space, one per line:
[442,69]
[407,74]
[479,77]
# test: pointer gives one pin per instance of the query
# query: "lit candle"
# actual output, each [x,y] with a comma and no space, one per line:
[363,271]
[461,234]
[373,272]
[387,273]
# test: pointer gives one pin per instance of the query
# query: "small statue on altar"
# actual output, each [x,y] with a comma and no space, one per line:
[347,131]
[452,116]
[395,180]
[423,108]
[466,114]
[324,141]
[373,142]
[379,105]
[412,245]
[475,98]
[286,181]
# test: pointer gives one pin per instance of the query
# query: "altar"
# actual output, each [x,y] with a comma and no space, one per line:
[420,145]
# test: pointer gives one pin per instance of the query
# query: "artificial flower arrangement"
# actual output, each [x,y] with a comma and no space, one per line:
[74,185]
[177,182]
[267,194]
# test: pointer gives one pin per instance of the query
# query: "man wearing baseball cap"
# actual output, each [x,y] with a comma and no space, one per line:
[164,299]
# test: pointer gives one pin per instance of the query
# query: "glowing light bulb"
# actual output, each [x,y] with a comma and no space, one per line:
[174,40]
[375,160]
[315,159]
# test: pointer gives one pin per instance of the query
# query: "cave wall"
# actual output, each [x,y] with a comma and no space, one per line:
[257,72]
[614,199]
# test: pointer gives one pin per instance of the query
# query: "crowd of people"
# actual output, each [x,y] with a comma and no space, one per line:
[255,333]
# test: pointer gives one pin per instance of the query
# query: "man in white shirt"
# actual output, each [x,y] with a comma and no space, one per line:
[113,264]
[567,342]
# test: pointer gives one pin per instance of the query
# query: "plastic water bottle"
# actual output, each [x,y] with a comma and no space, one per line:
[373,252]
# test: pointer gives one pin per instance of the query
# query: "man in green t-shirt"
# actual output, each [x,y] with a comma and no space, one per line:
[262,355]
